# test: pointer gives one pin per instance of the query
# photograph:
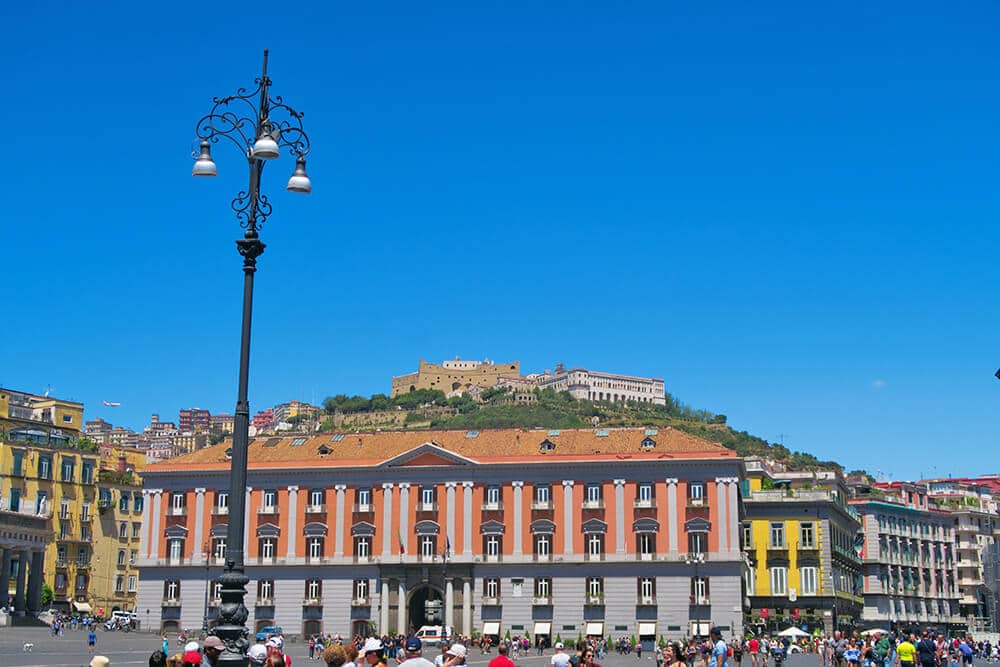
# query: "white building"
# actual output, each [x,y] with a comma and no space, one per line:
[598,386]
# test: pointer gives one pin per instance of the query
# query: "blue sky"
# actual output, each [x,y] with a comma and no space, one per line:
[788,212]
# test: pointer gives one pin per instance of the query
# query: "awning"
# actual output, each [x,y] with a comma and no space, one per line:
[83,607]
[647,629]
[490,628]
[543,628]
[595,629]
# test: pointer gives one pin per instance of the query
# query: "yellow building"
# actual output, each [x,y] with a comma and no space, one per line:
[454,377]
[799,536]
[60,487]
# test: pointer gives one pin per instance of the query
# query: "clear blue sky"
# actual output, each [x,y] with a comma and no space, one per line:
[790,213]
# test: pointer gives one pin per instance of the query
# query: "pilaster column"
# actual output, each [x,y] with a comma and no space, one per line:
[246,521]
[144,533]
[568,516]
[449,530]
[721,510]
[734,513]
[22,577]
[401,609]
[199,526]
[154,537]
[672,515]
[449,602]
[35,581]
[293,519]
[620,516]
[387,521]
[466,607]
[338,540]
[404,514]
[383,620]
[518,516]
[467,519]
[5,558]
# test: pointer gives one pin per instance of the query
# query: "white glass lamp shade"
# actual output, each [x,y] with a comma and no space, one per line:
[265,148]
[299,182]
[204,165]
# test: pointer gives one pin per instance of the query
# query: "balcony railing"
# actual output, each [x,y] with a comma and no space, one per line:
[647,600]
[695,502]
[541,504]
[644,503]
[542,558]
[594,600]
[700,600]
[492,507]
[808,546]
[645,556]
[267,509]
[178,511]
[363,508]
[62,562]
[541,601]
[427,507]
[311,602]
[220,511]
[491,601]
[362,559]
[492,558]
[360,602]
[777,546]
[315,509]
[171,602]
[265,602]
[593,504]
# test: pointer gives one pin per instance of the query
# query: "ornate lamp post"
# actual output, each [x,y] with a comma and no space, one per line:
[260,126]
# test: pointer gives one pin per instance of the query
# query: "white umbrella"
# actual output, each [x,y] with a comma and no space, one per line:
[792,632]
[875,631]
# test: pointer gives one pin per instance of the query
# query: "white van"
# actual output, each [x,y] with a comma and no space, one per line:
[434,635]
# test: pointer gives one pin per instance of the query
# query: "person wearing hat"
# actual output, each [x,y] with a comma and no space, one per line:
[257,654]
[276,646]
[455,655]
[560,658]
[99,661]
[413,648]
[720,650]
[373,653]
[191,659]
[192,646]
[211,648]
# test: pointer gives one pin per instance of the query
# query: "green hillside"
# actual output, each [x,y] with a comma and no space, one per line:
[497,409]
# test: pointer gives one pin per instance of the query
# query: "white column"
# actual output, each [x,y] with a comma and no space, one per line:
[449,493]
[466,607]
[154,537]
[467,520]
[401,609]
[387,520]
[720,499]
[568,516]
[383,620]
[144,534]
[449,602]
[293,517]
[404,513]
[199,526]
[518,516]
[246,521]
[734,513]
[672,515]
[620,516]
[338,540]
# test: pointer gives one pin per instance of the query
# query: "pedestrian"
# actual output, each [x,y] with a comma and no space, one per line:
[335,656]
[413,650]
[560,657]
[212,648]
[720,650]
[257,655]
[503,661]
[673,656]
[191,659]
[455,655]
[352,654]
[91,641]
[373,653]
[166,646]
[158,659]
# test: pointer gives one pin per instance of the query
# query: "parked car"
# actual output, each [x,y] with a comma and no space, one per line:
[268,631]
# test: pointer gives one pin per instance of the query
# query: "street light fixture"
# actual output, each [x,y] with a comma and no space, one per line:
[260,126]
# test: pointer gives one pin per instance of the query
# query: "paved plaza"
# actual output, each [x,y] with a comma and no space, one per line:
[133,649]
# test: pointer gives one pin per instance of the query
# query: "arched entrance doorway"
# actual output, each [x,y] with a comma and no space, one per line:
[426,607]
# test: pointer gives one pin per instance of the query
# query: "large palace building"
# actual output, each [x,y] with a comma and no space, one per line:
[552,533]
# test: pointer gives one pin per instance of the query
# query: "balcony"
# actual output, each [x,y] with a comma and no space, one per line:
[267,509]
[496,506]
[427,507]
[700,600]
[312,602]
[644,503]
[86,518]
[777,546]
[171,602]
[647,556]
[542,601]
[363,559]
[491,601]
[316,509]
[363,508]
[647,600]
[178,511]
[220,511]
[810,546]
[542,558]
[594,601]
[593,504]
[541,505]
[361,602]
[695,502]
[264,602]
[83,564]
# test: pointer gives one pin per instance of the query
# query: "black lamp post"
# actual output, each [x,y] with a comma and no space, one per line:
[259,126]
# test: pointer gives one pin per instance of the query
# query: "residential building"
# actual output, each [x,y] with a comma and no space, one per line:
[263,420]
[188,442]
[909,557]
[454,377]
[191,420]
[799,534]
[114,572]
[597,386]
[294,411]
[222,424]
[157,427]
[97,426]
[590,532]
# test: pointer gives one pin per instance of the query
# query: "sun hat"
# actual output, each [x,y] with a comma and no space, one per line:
[371,644]
[276,642]
[191,646]
[213,642]
[457,650]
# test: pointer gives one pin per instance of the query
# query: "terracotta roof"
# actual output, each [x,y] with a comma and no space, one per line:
[487,446]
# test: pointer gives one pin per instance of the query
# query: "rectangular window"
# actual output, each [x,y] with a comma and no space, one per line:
[132,583]
[364,499]
[750,579]
[595,545]
[516,587]
[315,547]
[807,535]
[87,472]
[646,545]
[645,495]
[17,467]
[427,497]
[360,589]
[85,533]
[265,590]
[64,509]
[219,548]
[779,581]
[428,546]
[222,503]
[316,497]
[176,550]
[41,502]
[747,536]
[696,493]
[777,534]
[177,502]
[67,470]
[493,546]
[697,543]
[119,583]
[493,496]
[267,548]
[15,499]
[362,547]
[314,589]
[595,587]
[543,493]
[44,467]
[123,530]
[808,580]
[647,590]
[123,502]
[491,588]
[171,589]
[593,497]
[136,530]
[543,587]
[699,590]
[137,502]
[543,546]
[270,500]
[61,553]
